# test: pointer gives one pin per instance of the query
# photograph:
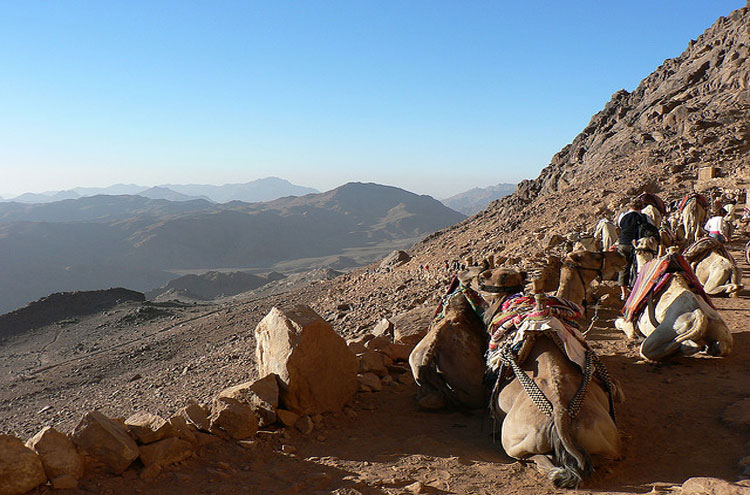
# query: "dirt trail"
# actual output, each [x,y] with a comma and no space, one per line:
[671,421]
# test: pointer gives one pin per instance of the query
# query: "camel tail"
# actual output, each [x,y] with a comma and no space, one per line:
[574,463]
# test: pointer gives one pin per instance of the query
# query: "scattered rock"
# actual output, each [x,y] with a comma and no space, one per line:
[305,425]
[371,381]
[411,326]
[197,415]
[374,362]
[287,418]
[105,440]
[234,418]
[148,428]
[314,363]
[262,396]
[396,258]
[20,467]
[58,454]
[165,452]
[384,329]
[712,486]
[183,430]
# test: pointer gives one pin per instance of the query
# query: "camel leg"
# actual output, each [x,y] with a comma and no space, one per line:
[627,327]
[684,321]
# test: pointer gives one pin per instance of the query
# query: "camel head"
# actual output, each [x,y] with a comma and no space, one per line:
[606,265]
[498,283]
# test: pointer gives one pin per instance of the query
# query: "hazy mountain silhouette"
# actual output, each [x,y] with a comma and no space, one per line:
[477,199]
[131,241]
[258,190]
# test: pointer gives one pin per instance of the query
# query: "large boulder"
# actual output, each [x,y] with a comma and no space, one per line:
[318,372]
[58,454]
[105,440]
[20,467]
[712,486]
[234,418]
[149,428]
[261,395]
[396,258]
[410,327]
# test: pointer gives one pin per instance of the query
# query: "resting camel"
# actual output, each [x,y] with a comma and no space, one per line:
[653,214]
[644,249]
[679,321]
[606,234]
[580,268]
[558,433]
[715,267]
[448,363]
[693,214]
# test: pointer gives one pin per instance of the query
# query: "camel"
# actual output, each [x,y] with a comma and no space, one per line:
[653,214]
[448,363]
[559,444]
[678,320]
[580,268]
[606,234]
[693,212]
[715,267]
[644,249]
[541,421]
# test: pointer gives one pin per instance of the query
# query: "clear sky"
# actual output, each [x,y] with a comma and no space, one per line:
[433,96]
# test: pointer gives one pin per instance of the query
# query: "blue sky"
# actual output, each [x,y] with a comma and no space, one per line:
[435,97]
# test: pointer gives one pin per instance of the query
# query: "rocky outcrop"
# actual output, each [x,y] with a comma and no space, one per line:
[317,371]
[58,454]
[105,440]
[20,467]
[64,305]
[262,396]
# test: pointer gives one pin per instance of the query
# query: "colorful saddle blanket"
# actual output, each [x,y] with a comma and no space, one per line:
[653,200]
[698,197]
[519,316]
[654,277]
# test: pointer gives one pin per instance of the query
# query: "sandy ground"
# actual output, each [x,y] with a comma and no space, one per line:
[383,444]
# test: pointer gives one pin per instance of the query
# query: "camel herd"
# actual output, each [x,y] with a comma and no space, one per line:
[522,352]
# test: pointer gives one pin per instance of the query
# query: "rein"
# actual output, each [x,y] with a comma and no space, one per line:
[497,289]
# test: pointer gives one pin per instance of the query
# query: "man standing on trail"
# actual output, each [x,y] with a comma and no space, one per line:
[629,223]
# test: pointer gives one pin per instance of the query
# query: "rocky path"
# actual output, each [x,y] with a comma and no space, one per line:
[674,421]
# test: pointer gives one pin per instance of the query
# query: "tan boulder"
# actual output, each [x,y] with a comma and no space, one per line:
[197,415]
[64,482]
[411,326]
[712,486]
[379,344]
[384,329]
[105,440]
[149,428]
[20,467]
[287,418]
[371,381]
[261,395]
[58,454]
[184,430]
[165,452]
[233,418]
[373,362]
[314,364]
[398,352]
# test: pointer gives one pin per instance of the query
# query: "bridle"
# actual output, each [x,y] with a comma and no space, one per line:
[498,289]
[577,268]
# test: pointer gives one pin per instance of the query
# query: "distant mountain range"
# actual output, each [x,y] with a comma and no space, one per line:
[255,191]
[136,242]
[477,199]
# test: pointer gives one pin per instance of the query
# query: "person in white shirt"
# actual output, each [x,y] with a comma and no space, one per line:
[717,226]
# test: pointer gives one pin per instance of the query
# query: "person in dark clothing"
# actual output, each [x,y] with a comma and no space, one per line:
[629,223]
